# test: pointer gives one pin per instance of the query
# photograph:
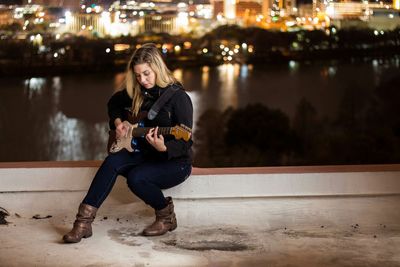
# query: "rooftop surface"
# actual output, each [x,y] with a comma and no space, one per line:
[265,230]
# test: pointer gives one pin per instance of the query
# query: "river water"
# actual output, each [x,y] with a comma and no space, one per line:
[64,117]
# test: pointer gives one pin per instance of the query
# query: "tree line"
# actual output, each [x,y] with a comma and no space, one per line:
[366,130]
[71,53]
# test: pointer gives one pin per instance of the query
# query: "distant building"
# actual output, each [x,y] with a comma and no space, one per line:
[67,4]
[265,9]
[375,15]
[349,23]
[44,2]
[246,8]
[230,9]
[249,12]
[384,19]
[396,4]
[291,7]
[218,7]
[160,23]
[237,9]
[350,9]
[306,10]
[71,4]
[275,7]
[6,16]
[86,24]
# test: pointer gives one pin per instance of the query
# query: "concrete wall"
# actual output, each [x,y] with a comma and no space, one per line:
[216,182]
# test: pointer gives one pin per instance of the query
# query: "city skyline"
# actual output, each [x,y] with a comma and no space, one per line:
[132,18]
[109,2]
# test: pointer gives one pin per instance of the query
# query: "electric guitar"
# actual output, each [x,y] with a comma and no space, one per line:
[178,131]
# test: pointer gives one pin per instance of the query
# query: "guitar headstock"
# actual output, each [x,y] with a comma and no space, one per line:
[181,132]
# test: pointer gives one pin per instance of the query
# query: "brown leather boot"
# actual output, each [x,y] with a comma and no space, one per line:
[82,225]
[165,221]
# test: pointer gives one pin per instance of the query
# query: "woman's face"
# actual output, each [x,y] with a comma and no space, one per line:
[145,76]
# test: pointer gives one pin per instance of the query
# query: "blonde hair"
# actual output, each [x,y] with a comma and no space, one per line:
[147,53]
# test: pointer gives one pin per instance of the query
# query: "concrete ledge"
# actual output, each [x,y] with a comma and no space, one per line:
[235,170]
[218,182]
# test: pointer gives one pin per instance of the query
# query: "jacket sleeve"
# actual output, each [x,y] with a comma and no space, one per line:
[117,106]
[182,114]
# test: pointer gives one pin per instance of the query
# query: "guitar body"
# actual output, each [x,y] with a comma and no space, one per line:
[124,142]
[112,135]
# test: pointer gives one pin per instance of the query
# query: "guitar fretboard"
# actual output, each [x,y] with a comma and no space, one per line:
[141,131]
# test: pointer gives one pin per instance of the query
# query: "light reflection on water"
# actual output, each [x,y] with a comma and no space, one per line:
[228,75]
[64,117]
[119,81]
[34,86]
[293,66]
[71,138]
[205,75]
[178,74]
[57,86]
[244,72]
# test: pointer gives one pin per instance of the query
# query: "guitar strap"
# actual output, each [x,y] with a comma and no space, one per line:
[169,92]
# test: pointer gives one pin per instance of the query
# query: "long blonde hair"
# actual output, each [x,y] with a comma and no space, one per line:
[147,53]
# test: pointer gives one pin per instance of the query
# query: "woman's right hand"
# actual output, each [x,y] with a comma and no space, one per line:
[121,128]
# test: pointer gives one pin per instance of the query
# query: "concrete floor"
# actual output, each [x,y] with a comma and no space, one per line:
[302,231]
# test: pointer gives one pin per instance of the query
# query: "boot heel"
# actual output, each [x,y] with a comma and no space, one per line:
[174,224]
[87,236]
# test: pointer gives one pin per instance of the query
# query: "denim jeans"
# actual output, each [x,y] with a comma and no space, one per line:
[145,178]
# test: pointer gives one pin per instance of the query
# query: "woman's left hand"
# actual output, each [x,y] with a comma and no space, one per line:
[157,141]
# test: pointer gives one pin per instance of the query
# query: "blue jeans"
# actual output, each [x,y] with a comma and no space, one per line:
[145,178]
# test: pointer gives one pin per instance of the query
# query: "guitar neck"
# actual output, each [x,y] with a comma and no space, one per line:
[141,131]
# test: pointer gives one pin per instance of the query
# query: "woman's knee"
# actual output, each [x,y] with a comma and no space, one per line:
[110,162]
[135,182]
[116,161]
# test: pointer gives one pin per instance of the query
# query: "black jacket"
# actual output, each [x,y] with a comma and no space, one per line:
[178,110]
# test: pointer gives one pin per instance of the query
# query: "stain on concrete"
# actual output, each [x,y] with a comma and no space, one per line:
[145,213]
[260,263]
[209,245]
[126,236]
[97,265]
[340,233]
[345,262]
[309,234]
[169,242]
[222,231]
[144,254]
[221,239]
[221,264]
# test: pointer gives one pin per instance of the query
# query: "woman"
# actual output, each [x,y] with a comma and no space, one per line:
[157,162]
